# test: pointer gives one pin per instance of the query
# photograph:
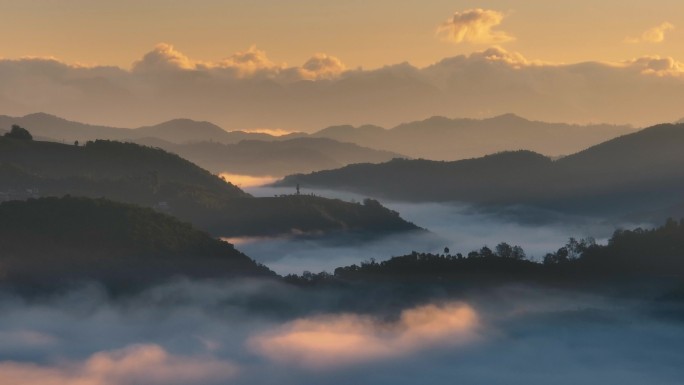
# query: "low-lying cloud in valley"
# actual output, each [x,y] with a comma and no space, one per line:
[346,339]
[459,227]
[259,332]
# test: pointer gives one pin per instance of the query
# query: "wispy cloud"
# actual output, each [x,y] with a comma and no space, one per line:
[474,26]
[652,35]
[136,364]
[332,341]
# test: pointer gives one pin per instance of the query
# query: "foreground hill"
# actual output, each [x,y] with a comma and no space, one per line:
[52,241]
[150,177]
[640,171]
[440,138]
[274,158]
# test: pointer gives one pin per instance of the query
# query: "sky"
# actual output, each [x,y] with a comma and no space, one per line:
[311,64]
[366,34]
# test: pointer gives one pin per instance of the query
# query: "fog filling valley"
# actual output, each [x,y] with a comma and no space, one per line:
[459,227]
[247,332]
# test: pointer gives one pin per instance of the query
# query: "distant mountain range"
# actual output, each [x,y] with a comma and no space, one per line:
[436,138]
[440,138]
[213,148]
[55,128]
[132,173]
[639,171]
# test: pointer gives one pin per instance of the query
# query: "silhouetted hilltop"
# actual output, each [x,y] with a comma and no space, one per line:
[498,178]
[109,160]
[640,171]
[440,138]
[187,130]
[630,258]
[211,147]
[51,127]
[436,138]
[54,241]
[45,125]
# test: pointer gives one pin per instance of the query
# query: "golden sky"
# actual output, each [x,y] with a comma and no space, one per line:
[305,65]
[367,33]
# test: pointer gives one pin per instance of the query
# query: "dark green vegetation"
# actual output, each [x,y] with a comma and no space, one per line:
[18,132]
[654,256]
[49,242]
[307,215]
[274,158]
[151,177]
[638,172]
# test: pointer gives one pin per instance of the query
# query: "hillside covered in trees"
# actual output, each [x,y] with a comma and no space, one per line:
[630,258]
[152,177]
[57,241]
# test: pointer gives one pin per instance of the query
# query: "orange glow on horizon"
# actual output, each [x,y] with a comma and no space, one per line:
[246,181]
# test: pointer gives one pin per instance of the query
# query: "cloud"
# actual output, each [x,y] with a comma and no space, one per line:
[163,57]
[474,26]
[322,66]
[250,63]
[235,92]
[192,332]
[339,340]
[244,181]
[657,65]
[500,55]
[137,364]
[652,35]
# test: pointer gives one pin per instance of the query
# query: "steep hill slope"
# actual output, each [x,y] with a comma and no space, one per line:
[54,241]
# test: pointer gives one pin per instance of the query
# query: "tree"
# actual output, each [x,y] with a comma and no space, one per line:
[504,250]
[18,132]
[486,252]
[518,253]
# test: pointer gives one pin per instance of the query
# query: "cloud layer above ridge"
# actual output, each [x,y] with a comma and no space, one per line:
[236,92]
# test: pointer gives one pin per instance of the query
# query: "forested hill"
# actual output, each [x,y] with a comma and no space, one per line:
[630,261]
[635,171]
[502,177]
[55,241]
[104,160]
[151,177]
